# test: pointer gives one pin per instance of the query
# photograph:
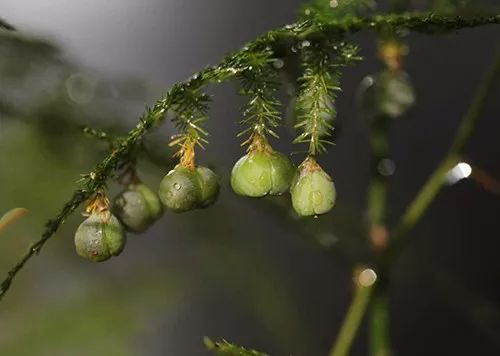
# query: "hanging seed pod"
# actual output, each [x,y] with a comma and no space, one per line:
[179,190]
[262,171]
[184,189]
[209,186]
[137,207]
[101,235]
[312,190]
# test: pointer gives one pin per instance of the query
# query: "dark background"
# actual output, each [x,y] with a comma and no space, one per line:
[243,270]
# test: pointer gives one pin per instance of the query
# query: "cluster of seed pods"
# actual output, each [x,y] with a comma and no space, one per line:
[103,234]
[261,172]
[264,171]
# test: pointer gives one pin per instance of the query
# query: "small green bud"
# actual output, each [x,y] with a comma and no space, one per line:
[99,237]
[260,173]
[179,190]
[137,207]
[312,190]
[209,186]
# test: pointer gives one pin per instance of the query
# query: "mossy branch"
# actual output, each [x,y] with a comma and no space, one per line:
[278,40]
[319,84]
[259,83]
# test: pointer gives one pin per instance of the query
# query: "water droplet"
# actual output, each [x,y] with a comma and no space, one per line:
[305,43]
[177,186]
[81,87]
[386,167]
[367,277]
[316,216]
[278,63]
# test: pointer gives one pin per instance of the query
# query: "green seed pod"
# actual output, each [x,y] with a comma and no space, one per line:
[312,190]
[180,190]
[209,186]
[137,207]
[260,173]
[282,172]
[99,237]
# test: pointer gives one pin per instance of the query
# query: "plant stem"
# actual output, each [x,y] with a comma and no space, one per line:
[429,191]
[377,194]
[379,325]
[378,232]
[353,319]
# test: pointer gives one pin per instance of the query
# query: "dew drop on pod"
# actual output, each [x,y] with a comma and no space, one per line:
[188,188]
[137,207]
[312,189]
[262,171]
[101,235]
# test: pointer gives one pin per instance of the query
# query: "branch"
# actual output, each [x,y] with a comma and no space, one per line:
[364,282]
[229,67]
[424,23]
[429,191]
[6,26]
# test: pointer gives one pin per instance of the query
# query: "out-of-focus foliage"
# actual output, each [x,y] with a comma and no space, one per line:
[11,216]
[327,10]
[225,348]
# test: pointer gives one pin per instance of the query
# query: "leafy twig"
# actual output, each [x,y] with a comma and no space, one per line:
[319,85]
[259,83]
[225,348]
[225,70]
